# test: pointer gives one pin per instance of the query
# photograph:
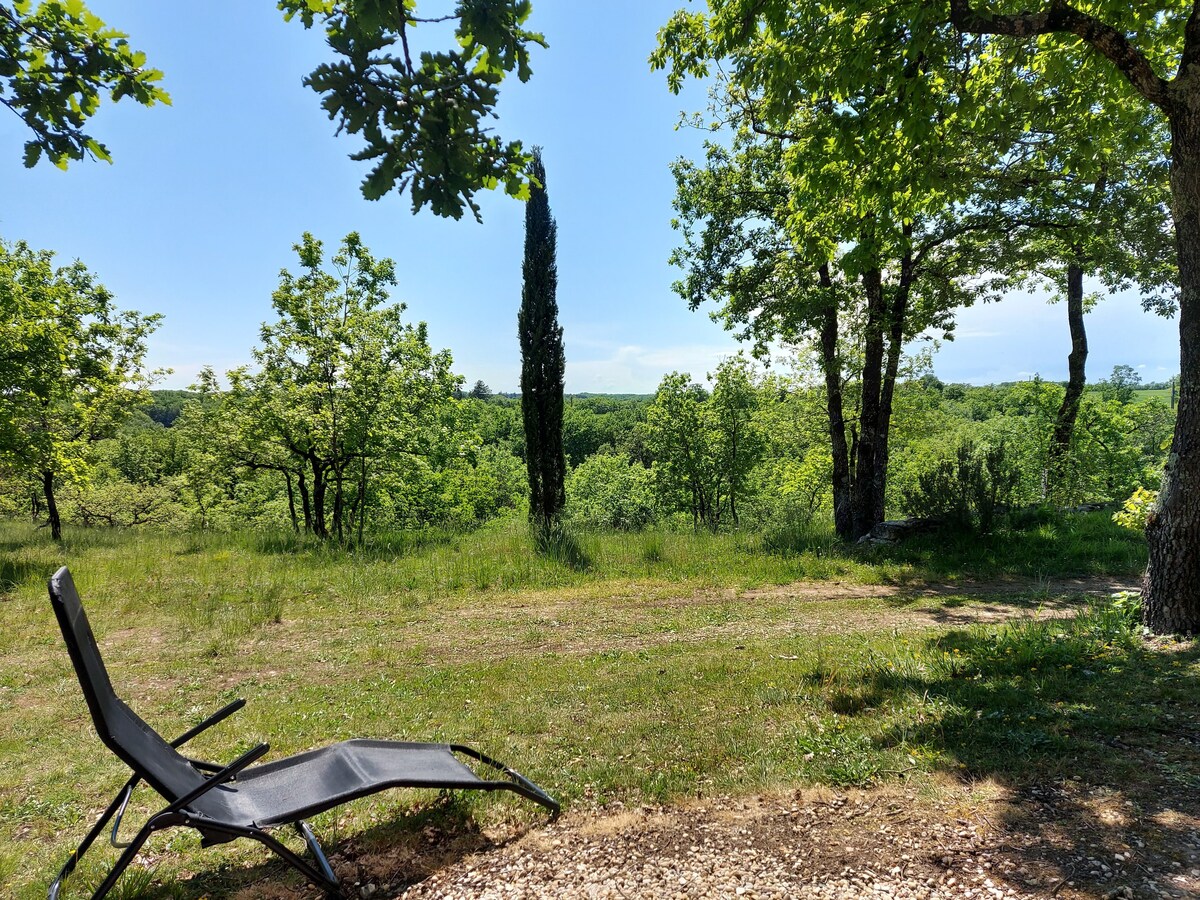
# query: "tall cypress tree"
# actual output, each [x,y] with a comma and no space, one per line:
[542,360]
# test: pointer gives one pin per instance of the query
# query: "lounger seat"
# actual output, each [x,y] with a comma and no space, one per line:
[300,786]
[226,802]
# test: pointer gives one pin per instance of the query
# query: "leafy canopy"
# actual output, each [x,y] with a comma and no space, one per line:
[422,114]
[57,60]
[70,362]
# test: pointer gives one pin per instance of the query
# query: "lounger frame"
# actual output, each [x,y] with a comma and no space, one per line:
[184,807]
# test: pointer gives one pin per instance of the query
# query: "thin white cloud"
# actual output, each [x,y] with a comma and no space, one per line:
[636,369]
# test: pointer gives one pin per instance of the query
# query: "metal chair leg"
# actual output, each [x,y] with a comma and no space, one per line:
[73,859]
[315,848]
[126,858]
[326,882]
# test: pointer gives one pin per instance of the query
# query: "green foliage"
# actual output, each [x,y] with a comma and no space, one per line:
[343,386]
[611,491]
[422,114]
[967,489]
[1136,509]
[70,367]
[542,361]
[1122,385]
[57,61]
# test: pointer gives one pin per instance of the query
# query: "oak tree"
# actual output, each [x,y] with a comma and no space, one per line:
[71,367]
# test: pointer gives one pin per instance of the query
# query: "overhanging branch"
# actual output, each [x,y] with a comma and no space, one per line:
[1060,17]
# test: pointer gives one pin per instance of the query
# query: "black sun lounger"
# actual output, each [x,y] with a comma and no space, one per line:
[240,800]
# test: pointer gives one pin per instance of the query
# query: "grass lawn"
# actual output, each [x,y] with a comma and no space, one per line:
[645,667]
[1163,394]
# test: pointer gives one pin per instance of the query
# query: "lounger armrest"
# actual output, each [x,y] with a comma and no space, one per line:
[220,715]
[226,774]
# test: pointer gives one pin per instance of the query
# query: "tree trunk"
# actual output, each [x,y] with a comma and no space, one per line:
[733,468]
[897,316]
[305,501]
[863,491]
[51,506]
[1171,595]
[318,499]
[339,500]
[287,477]
[1068,412]
[842,520]
[362,497]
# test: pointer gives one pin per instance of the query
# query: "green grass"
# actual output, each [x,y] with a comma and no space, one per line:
[640,667]
[1163,394]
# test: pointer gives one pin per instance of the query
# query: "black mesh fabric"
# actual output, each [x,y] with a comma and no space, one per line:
[137,744]
[308,783]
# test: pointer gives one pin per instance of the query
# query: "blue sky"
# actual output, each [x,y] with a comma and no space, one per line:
[199,211]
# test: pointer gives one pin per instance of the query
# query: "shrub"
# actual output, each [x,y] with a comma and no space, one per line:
[610,491]
[966,490]
[1134,512]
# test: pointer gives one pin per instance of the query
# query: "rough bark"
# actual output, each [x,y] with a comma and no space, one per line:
[1068,412]
[864,502]
[1171,595]
[842,520]
[51,506]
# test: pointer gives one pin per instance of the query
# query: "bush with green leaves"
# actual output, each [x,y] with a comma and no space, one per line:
[966,489]
[611,491]
[1136,509]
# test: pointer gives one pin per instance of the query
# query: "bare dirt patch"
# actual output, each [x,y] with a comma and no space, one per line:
[1067,840]
[625,622]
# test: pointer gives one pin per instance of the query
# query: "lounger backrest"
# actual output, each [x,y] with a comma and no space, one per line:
[123,732]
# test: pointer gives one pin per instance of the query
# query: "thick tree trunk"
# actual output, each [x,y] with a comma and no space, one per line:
[1068,412]
[863,491]
[842,519]
[305,501]
[318,500]
[1171,596]
[1171,589]
[898,314]
[51,506]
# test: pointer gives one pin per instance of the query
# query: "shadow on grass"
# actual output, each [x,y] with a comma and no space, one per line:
[1072,545]
[391,856]
[16,573]
[381,546]
[1095,731]
[557,542]
[1055,546]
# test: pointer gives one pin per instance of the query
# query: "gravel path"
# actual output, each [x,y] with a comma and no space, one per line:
[1065,840]
[761,848]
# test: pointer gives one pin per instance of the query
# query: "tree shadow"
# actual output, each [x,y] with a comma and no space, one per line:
[1093,731]
[15,573]
[384,859]
[1070,545]
[383,546]
[557,542]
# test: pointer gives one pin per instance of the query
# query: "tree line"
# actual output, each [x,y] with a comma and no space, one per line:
[349,424]
[889,165]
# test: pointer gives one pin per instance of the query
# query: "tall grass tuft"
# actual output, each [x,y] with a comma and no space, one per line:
[556,541]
